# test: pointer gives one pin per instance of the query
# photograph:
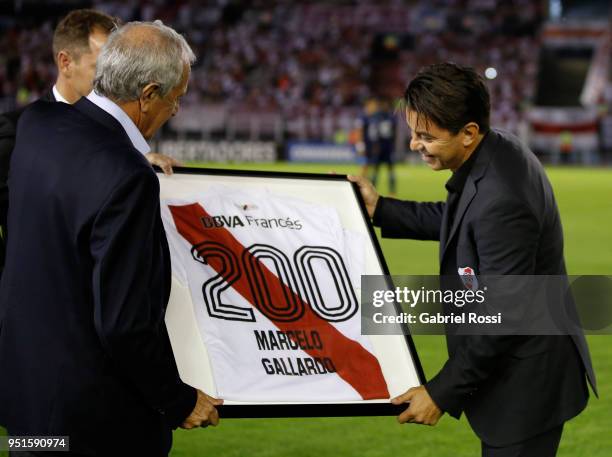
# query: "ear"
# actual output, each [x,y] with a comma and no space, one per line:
[148,94]
[470,133]
[64,63]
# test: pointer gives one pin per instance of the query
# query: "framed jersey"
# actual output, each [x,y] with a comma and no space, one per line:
[265,304]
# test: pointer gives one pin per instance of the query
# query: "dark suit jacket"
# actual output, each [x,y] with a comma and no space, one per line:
[506,223]
[83,295]
[8,131]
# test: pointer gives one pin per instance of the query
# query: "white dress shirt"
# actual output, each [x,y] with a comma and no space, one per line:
[58,97]
[128,125]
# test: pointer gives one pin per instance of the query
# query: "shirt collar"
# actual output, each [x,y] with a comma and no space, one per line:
[456,183]
[58,97]
[128,125]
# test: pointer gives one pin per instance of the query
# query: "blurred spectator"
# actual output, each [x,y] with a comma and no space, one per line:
[303,60]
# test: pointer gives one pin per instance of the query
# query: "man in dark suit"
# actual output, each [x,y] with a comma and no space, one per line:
[500,218]
[87,278]
[77,41]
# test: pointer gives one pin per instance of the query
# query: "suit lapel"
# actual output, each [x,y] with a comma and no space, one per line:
[467,195]
[444,231]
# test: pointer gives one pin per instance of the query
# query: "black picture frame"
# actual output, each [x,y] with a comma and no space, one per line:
[291,409]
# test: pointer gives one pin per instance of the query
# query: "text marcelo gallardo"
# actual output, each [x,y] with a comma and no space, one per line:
[293,340]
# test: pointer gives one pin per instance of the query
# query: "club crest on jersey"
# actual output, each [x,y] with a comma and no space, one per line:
[468,277]
[245,206]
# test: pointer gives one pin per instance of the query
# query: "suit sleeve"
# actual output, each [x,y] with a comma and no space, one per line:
[408,219]
[129,317]
[506,236]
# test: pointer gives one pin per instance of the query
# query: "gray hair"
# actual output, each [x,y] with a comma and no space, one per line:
[129,61]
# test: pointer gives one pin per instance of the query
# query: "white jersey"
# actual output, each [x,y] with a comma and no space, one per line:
[277,274]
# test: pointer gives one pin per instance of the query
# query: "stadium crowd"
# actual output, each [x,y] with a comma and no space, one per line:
[311,62]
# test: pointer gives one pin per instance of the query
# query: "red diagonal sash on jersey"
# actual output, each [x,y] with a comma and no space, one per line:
[353,362]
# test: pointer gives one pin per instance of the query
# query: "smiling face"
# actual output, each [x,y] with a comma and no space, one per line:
[439,148]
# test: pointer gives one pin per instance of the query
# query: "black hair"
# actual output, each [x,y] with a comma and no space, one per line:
[449,95]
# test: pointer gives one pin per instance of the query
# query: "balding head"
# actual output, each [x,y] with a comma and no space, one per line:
[139,54]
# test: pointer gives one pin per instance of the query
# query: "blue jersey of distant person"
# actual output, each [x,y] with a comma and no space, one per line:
[369,126]
[385,126]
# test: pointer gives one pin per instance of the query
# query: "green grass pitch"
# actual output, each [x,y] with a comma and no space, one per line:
[585,201]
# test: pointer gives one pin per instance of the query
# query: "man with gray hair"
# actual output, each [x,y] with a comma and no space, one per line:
[87,277]
[77,41]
